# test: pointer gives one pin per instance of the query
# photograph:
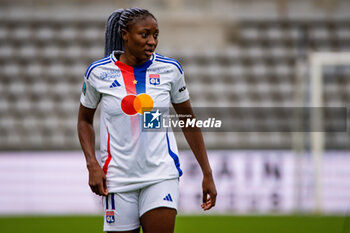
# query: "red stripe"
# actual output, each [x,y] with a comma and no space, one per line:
[128,76]
[130,87]
[108,160]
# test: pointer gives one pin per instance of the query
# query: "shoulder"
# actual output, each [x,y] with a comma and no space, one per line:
[99,64]
[170,61]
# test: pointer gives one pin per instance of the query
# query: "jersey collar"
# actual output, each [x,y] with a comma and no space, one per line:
[142,67]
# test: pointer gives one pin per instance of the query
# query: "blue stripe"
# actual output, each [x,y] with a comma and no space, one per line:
[112,200]
[170,59]
[170,197]
[171,62]
[140,77]
[101,60]
[174,156]
[99,64]
[107,202]
[112,57]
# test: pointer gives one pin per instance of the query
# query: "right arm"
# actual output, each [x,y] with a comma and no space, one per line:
[97,178]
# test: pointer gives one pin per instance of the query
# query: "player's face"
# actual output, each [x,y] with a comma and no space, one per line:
[142,38]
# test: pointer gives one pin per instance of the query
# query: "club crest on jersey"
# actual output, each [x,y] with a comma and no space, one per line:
[154,79]
[110,217]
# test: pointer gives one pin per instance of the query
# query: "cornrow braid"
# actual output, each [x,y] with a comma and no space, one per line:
[118,20]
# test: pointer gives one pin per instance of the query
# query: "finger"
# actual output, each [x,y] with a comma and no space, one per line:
[105,190]
[205,196]
[207,205]
[204,205]
[94,189]
[100,188]
[213,198]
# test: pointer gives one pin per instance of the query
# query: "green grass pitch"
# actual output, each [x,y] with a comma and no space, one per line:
[185,224]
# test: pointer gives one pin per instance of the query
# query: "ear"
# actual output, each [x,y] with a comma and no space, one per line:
[125,34]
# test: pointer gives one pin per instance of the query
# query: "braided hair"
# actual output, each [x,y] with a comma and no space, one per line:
[118,20]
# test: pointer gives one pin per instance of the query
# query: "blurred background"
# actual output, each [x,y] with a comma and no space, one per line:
[237,53]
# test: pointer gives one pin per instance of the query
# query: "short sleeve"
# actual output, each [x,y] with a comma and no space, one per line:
[90,97]
[179,92]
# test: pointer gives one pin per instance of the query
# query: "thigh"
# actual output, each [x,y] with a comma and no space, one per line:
[121,212]
[159,220]
[158,206]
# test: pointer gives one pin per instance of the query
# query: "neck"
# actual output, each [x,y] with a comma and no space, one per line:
[130,60]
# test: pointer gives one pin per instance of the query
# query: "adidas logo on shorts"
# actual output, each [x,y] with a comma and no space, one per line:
[168,198]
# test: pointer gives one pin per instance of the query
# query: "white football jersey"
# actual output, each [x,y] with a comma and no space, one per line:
[130,157]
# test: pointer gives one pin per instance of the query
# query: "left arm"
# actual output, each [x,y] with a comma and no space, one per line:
[195,140]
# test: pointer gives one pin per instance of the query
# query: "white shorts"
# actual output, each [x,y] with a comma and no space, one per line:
[123,210]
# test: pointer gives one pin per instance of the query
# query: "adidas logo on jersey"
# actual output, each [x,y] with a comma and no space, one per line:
[115,84]
[168,198]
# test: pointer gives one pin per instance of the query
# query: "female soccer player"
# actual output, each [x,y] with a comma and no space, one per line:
[139,171]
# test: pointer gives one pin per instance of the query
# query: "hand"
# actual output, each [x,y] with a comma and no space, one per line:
[97,180]
[208,187]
